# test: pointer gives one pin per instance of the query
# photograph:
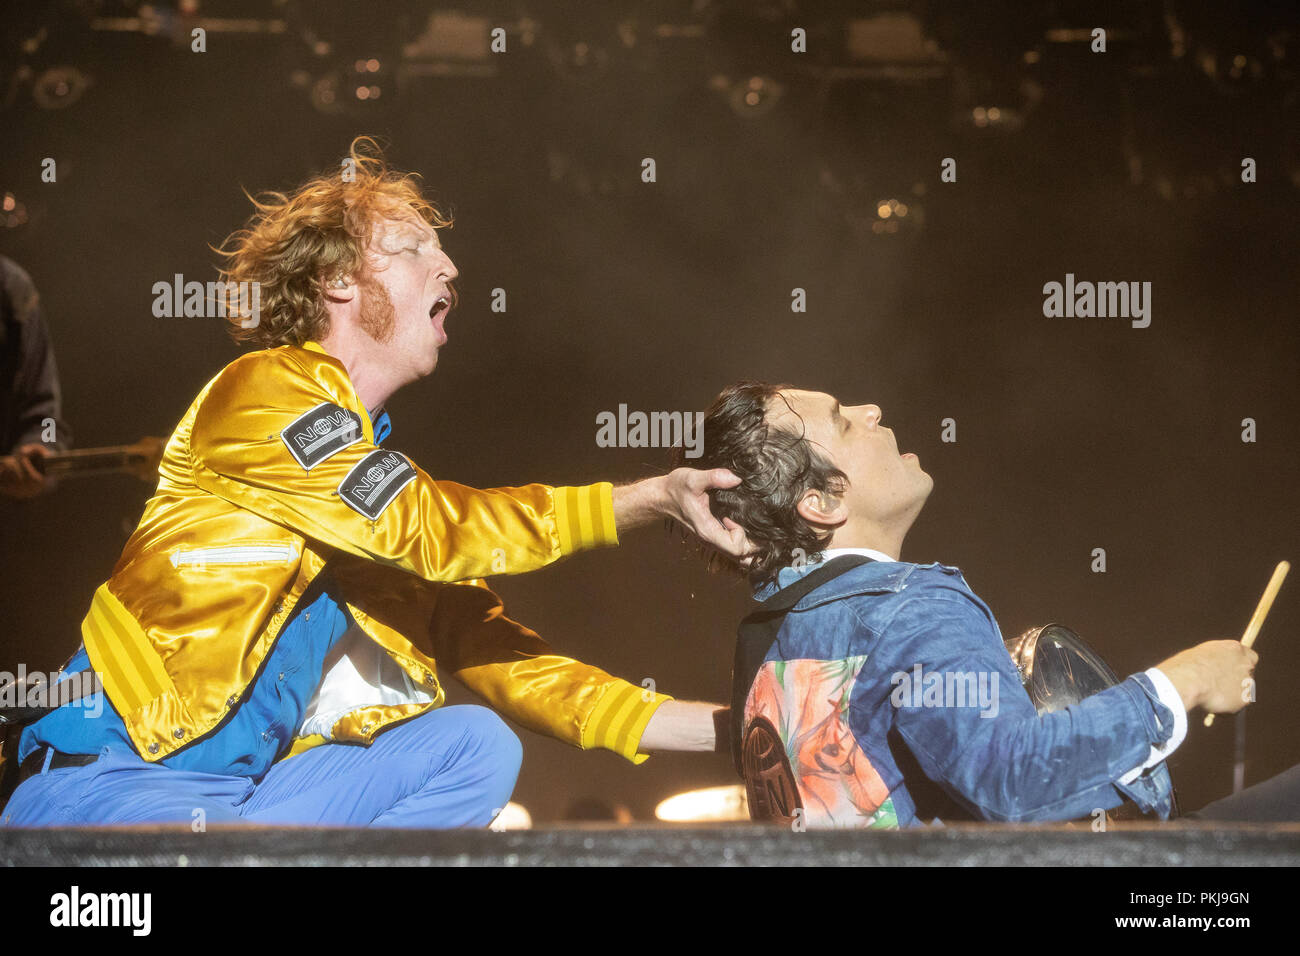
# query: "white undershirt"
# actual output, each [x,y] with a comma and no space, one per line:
[1170,697]
[830,553]
[357,673]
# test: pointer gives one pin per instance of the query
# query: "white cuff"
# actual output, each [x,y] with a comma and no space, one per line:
[1170,697]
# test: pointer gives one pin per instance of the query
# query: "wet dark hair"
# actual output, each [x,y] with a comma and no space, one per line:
[776,467]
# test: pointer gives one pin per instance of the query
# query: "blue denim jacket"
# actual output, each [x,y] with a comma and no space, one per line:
[909,652]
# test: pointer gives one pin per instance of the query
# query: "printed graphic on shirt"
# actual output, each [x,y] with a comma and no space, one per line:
[806,703]
[324,431]
[769,780]
[375,481]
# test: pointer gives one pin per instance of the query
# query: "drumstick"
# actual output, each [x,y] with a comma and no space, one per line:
[1261,611]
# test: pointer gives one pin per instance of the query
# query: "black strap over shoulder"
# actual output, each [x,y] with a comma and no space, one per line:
[757,634]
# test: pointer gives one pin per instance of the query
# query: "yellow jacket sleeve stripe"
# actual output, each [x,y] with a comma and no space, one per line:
[132,672]
[619,718]
[584,517]
[120,682]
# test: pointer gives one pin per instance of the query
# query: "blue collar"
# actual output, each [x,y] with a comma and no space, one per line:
[380,424]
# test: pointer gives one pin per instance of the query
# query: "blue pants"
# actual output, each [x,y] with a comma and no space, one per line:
[450,767]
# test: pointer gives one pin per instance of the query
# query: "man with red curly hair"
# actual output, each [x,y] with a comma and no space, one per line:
[272,640]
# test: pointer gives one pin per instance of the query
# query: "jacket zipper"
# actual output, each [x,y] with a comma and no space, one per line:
[247,554]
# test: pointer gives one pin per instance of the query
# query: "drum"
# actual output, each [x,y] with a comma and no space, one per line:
[1059,670]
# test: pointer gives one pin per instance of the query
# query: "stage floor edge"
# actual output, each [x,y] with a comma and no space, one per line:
[1172,844]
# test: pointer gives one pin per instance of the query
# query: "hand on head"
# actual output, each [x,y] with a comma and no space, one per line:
[688,497]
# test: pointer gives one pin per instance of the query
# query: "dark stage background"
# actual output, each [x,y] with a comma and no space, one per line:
[1072,433]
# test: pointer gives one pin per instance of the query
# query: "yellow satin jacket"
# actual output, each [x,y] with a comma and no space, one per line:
[272,472]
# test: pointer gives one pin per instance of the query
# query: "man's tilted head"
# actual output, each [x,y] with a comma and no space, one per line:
[356,245]
[814,474]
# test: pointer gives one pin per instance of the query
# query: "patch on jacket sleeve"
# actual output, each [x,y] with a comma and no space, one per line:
[375,481]
[324,431]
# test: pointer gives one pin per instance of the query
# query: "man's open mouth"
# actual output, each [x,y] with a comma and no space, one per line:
[439,307]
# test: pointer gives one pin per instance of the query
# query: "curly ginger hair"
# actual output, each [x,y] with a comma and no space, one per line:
[294,244]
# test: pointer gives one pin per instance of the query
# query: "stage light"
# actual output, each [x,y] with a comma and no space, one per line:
[12,212]
[59,87]
[340,91]
[513,817]
[891,207]
[452,37]
[751,97]
[325,94]
[992,117]
[710,805]
[890,38]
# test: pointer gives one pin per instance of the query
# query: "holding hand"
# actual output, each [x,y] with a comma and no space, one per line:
[1212,675]
[687,491]
[683,495]
[22,474]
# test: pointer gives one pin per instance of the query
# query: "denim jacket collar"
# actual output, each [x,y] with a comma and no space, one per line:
[883,575]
